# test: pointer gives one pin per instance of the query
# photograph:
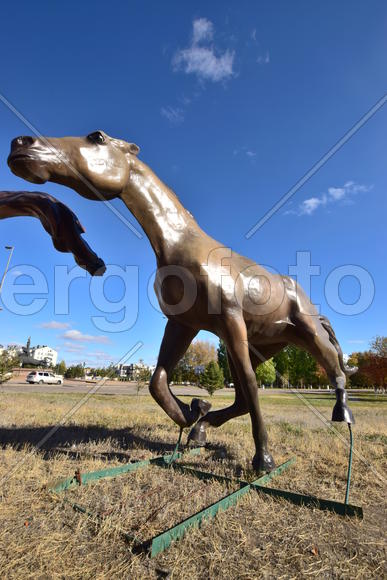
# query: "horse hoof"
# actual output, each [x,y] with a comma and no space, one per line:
[263,462]
[350,370]
[341,412]
[200,407]
[198,435]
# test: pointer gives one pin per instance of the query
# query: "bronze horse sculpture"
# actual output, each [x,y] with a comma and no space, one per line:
[200,284]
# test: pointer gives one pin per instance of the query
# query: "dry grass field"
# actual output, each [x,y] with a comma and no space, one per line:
[42,537]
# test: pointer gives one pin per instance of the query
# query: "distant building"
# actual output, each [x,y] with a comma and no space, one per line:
[132,371]
[40,355]
[14,350]
[45,354]
[125,371]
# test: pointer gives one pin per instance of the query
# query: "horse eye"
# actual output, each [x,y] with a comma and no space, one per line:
[96,137]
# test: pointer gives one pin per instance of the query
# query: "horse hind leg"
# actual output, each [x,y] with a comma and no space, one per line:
[316,335]
[332,338]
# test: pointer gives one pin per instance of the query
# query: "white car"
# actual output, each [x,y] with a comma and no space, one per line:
[42,377]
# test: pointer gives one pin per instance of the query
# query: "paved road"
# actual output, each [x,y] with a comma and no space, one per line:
[130,388]
[125,388]
[108,388]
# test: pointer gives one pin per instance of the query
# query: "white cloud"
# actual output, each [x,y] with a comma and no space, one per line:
[203,62]
[203,59]
[342,194]
[94,359]
[310,205]
[173,114]
[203,29]
[336,192]
[101,354]
[76,335]
[54,324]
[356,341]
[357,187]
[253,34]
[74,348]
[250,153]
[263,59]
[69,344]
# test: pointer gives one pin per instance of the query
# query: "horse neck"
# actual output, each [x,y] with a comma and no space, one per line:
[166,222]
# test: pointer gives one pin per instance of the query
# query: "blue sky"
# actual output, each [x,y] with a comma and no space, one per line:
[230,107]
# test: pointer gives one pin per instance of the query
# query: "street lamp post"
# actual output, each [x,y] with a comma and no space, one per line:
[11,249]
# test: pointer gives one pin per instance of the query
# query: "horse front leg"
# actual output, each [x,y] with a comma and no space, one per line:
[176,340]
[198,433]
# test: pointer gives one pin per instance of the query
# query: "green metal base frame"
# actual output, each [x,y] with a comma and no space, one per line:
[162,541]
[88,477]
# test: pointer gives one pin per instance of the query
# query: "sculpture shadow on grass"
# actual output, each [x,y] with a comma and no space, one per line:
[63,440]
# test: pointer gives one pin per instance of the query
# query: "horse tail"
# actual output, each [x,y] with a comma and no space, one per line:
[333,340]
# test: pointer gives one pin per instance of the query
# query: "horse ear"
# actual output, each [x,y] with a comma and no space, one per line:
[133,148]
[126,147]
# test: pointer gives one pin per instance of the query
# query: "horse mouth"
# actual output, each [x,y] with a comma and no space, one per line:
[16,156]
[27,166]
[20,156]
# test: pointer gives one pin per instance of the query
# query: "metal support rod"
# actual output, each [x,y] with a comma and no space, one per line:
[311,501]
[349,463]
[295,498]
[91,476]
[162,541]
[175,452]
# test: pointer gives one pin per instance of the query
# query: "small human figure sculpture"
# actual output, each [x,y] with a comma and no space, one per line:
[199,284]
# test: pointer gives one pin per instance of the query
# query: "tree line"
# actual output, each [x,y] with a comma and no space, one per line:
[206,366]
[372,365]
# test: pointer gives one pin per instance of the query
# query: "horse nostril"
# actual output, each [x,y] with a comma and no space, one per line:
[22,141]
